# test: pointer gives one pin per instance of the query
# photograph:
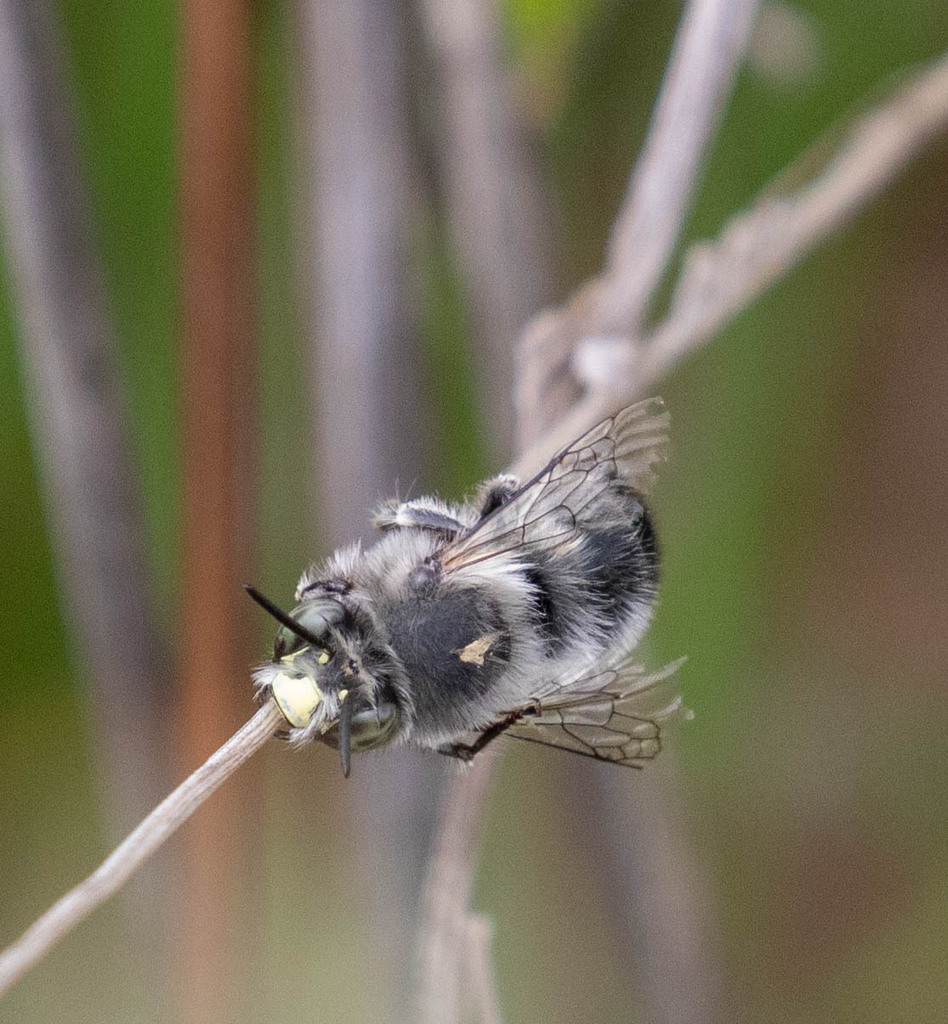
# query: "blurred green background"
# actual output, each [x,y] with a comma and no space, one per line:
[802,515]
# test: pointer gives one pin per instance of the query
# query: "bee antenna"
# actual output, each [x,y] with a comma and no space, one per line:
[345,731]
[281,616]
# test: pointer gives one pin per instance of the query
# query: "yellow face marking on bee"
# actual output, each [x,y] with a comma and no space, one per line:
[298,697]
[476,650]
[323,658]
[342,695]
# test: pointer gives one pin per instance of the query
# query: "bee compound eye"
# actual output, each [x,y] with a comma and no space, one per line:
[373,726]
[319,616]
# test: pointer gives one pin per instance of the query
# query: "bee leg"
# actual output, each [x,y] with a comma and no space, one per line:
[457,750]
[495,493]
[422,514]
[467,751]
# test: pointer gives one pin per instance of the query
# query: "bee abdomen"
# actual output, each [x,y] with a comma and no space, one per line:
[552,598]
[623,565]
[600,585]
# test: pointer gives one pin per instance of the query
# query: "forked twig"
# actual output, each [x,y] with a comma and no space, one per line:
[758,247]
[708,49]
[753,251]
[702,68]
[112,873]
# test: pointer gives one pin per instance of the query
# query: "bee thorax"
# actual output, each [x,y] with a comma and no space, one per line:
[463,618]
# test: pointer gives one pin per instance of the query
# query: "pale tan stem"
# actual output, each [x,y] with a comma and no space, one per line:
[757,247]
[129,855]
[444,934]
[480,934]
[707,52]
[709,48]
[718,280]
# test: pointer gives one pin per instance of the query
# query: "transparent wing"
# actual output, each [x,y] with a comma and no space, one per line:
[615,716]
[545,513]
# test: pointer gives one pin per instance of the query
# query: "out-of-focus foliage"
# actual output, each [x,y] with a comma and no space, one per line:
[802,520]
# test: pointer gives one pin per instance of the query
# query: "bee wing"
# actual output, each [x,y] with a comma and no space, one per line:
[545,512]
[616,715]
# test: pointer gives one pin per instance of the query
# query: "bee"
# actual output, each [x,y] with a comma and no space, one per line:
[516,613]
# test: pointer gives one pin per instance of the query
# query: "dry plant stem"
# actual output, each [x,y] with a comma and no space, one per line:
[759,246]
[76,404]
[171,813]
[708,50]
[718,281]
[918,110]
[445,931]
[480,957]
[707,53]
[495,199]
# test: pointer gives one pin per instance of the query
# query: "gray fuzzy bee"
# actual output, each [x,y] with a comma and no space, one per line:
[515,613]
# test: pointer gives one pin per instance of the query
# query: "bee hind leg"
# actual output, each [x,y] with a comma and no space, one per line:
[495,493]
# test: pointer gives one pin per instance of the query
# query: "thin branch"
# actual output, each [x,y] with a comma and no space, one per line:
[112,873]
[754,250]
[444,931]
[706,55]
[702,69]
[716,283]
[711,39]
[758,247]
[917,111]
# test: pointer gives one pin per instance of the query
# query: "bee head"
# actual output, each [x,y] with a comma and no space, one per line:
[321,682]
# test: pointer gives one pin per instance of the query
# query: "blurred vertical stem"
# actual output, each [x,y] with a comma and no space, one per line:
[217,240]
[497,209]
[496,201]
[362,326]
[77,406]
[361,316]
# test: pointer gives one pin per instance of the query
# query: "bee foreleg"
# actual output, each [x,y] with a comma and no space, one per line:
[422,514]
